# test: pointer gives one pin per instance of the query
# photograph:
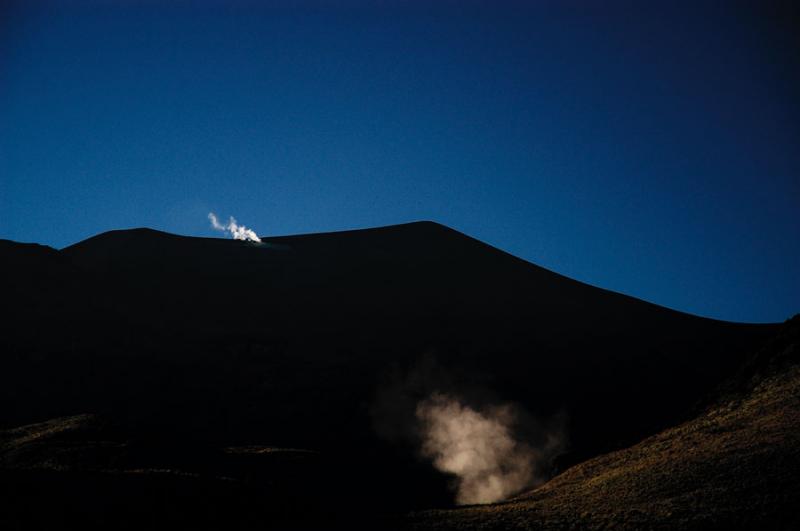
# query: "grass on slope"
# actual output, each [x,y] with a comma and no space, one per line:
[737,466]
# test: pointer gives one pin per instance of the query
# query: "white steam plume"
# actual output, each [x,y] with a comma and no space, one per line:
[480,449]
[237,232]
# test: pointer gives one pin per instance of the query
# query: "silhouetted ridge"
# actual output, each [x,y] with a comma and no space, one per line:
[287,342]
[142,247]
[21,255]
[409,247]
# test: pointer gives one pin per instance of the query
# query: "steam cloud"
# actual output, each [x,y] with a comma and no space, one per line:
[492,450]
[236,231]
[480,449]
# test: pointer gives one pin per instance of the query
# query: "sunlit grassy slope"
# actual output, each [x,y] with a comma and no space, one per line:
[735,466]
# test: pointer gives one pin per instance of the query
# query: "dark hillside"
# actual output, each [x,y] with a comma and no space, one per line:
[287,342]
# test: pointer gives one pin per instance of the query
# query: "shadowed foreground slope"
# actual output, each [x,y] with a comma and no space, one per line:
[736,466]
[84,472]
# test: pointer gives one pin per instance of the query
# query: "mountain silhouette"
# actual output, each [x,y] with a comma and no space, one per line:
[291,342]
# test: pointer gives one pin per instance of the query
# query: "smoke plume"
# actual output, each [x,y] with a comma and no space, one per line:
[236,231]
[480,449]
[491,449]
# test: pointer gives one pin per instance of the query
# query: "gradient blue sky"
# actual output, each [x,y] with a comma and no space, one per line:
[649,150]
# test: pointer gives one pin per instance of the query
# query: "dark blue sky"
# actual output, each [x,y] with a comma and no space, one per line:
[649,150]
